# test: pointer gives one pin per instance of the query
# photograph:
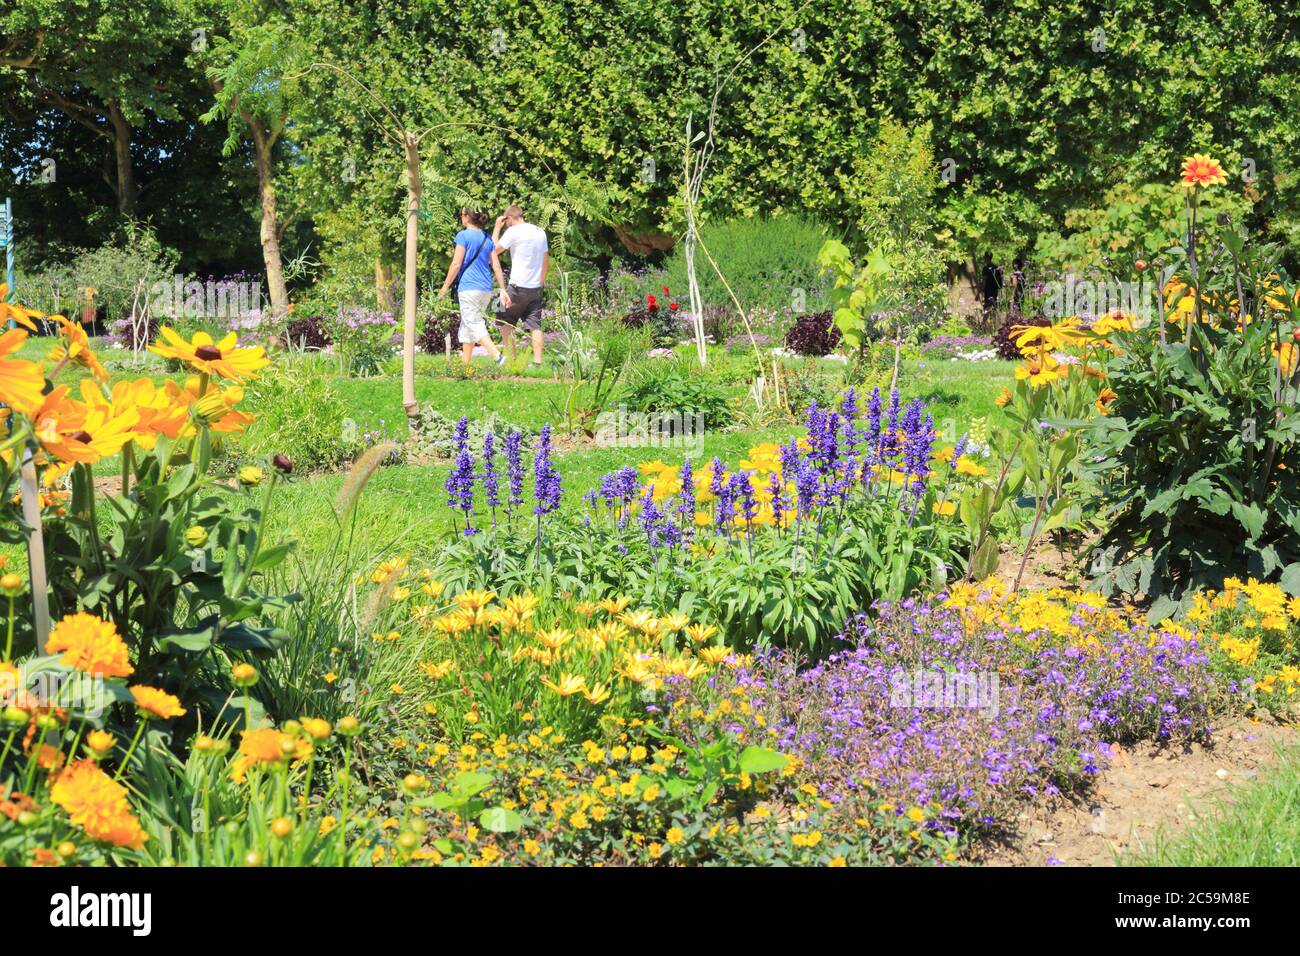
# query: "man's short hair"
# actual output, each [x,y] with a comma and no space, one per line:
[515,212]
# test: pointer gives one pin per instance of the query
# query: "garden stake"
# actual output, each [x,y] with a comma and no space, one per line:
[35,551]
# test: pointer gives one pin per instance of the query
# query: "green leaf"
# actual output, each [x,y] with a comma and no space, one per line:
[500,820]
[755,759]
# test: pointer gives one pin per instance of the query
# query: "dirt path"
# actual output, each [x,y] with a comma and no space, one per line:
[1145,789]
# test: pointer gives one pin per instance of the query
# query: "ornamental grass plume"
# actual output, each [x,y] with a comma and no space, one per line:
[361,473]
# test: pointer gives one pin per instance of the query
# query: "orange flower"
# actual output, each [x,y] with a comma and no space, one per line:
[1201,171]
[158,412]
[98,804]
[21,381]
[224,358]
[77,348]
[157,702]
[266,745]
[1104,398]
[12,310]
[75,432]
[90,644]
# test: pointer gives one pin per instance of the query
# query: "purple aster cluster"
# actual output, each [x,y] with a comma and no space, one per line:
[873,724]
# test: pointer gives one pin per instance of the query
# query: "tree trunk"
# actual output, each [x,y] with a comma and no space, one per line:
[127,192]
[413,187]
[383,286]
[262,145]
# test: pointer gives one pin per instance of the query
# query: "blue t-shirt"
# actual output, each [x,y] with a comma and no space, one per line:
[478,247]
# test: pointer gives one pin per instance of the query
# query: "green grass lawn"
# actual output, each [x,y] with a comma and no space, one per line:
[403,507]
[1260,826]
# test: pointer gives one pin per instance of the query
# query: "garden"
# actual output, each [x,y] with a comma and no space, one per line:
[817,538]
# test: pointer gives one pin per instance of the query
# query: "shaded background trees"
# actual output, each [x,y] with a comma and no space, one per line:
[1039,106]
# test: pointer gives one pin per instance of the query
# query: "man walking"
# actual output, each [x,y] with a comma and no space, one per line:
[521,297]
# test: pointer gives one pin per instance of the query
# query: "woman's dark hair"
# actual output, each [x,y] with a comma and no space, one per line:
[477,217]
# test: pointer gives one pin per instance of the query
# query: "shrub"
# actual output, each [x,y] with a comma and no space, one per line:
[364,338]
[813,333]
[1004,338]
[764,259]
[433,332]
[310,332]
[299,414]
[674,386]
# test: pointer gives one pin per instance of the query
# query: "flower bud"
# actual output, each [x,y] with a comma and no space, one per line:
[196,536]
[283,464]
[15,716]
[250,476]
[244,675]
[67,849]
[349,726]
[281,827]
[408,841]
[252,858]
[11,584]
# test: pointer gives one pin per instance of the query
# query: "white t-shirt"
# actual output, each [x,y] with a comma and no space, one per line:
[527,244]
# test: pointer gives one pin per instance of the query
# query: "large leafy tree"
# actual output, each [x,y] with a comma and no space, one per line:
[105,65]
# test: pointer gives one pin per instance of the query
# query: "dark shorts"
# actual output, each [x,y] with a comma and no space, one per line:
[525,309]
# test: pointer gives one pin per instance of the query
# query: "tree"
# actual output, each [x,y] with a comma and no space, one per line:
[252,77]
[105,65]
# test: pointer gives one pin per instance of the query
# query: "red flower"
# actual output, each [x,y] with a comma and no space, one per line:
[651,302]
[665,290]
[672,307]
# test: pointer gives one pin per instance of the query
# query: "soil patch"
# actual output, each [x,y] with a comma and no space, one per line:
[1145,788]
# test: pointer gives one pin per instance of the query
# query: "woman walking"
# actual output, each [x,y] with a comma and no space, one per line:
[470,272]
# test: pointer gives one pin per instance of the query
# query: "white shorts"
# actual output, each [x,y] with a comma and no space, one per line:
[473,308]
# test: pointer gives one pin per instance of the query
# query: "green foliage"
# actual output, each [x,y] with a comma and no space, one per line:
[1130,224]
[675,385]
[859,293]
[1205,435]
[299,413]
[123,272]
[767,261]
[894,186]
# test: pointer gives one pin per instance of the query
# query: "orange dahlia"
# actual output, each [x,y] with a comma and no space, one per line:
[157,702]
[1201,171]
